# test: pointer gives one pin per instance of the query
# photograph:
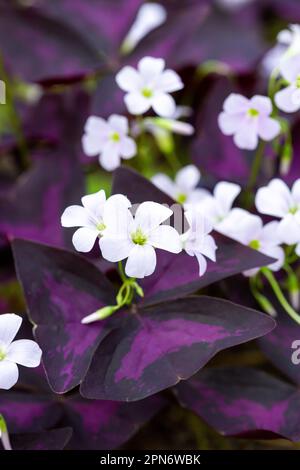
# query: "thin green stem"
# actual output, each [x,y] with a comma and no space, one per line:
[264,303]
[256,165]
[121,271]
[279,295]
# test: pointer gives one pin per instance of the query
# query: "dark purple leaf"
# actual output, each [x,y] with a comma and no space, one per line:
[243,402]
[108,98]
[277,345]
[55,439]
[61,288]
[103,425]
[159,346]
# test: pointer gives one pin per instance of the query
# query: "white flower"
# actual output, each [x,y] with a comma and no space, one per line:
[288,45]
[150,16]
[248,120]
[138,237]
[197,241]
[157,126]
[184,189]
[277,200]
[149,86]
[288,99]
[23,351]
[232,4]
[95,217]
[109,140]
[249,230]
[217,207]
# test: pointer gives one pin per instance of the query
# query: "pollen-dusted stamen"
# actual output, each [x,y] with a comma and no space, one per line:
[252,112]
[101,226]
[181,198]
[255,244]
[138,237]
[115,137]
[147,93]
[2,354]
[293,210]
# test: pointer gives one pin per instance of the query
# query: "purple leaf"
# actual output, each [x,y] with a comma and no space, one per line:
[243,402]
[55,439]
[157,347]
[61,288]
[277,345]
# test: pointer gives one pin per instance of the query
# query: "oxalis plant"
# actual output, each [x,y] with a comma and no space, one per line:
[149,221]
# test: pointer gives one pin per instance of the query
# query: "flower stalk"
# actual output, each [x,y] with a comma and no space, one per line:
[4,436]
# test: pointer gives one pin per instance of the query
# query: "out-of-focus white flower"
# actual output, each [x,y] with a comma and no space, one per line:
[248,120]
[156,125]
[217,207]
[288,99]
[109,140]
[137,237]
[95,217]
[278,200]
[249,230]
[233,4]
[150,16]
[288,45]
[23,351]
[197,241]
[149,87]
[184,189]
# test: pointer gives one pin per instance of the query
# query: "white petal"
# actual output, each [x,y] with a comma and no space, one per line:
[128,147]
[141,261]
[229,123]
[298,249]
[274,199]
[262,104]
[84,239]
[75,216]
[9,374]
[96,125]
[208,247]
[150,215]
[166,238]
[136,103]
[277,253]
[296,190]
[284,100]
[268,128]
[9,327]
[289,230]
[236,103]
[150,68]
[188,178]
[290,68]
[92,144]
[197,195]
[164,104]
[94,203]
[115,249]
[128,79]
[285,37]
[247,135]
[110,157]
[270,235]
[169,81]
[241,225]
[116,217]
[118,123]
[24,352]
[225,194]
[202,263]
[165,184]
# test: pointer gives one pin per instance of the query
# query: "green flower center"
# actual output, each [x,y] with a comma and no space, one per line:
[298,81]
[115,137]
[181,198]
[2,355]
[147,93]
[252,112]
[255,244]
[138,237]
[293,210]
[101,226]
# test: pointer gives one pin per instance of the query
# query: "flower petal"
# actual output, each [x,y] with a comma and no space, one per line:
[229,123]
[284,100]
[75,216]
[225,194]
[289,230]
[96,125]
[115,249]
[274,199]
[277,253]
[150,215]
[296,190]
[247,135]
[128,148]
[128,79]
[164,105]
[236,103]
[116,216]
[290,68]
[165,184]
[92,144]
[84,239]
[9,327]
[150,68]
[118,123]
[9,374]
[262,104]
[268,128]
[166,238]
[202,263]
[24,352]
[169,81]
[141,261]
[187,178]
[110,157]
[94,203]
[136,103]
